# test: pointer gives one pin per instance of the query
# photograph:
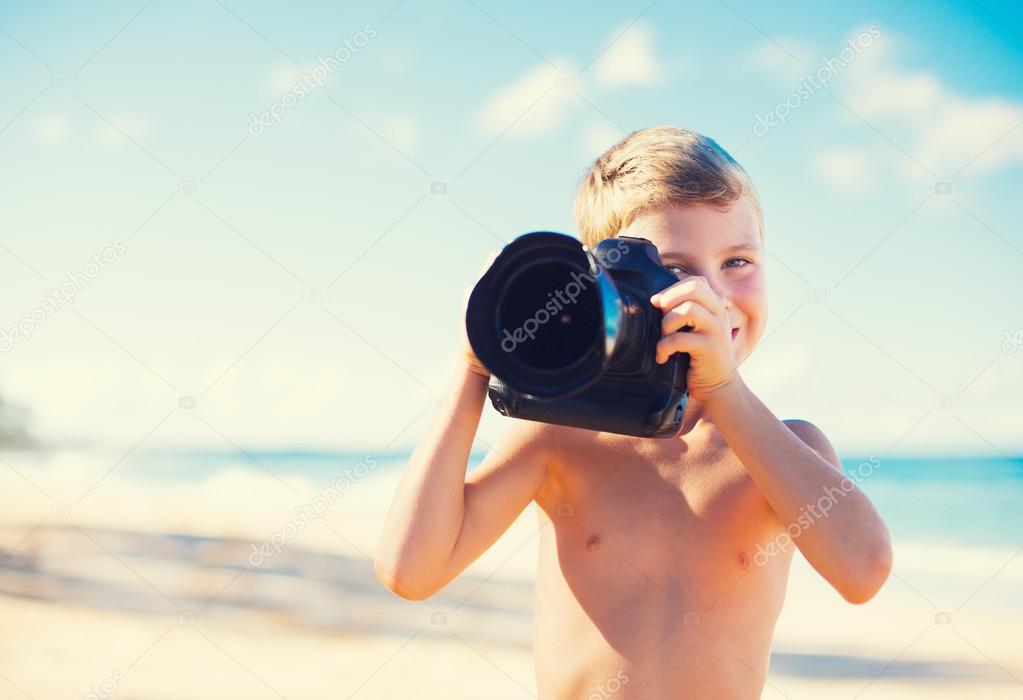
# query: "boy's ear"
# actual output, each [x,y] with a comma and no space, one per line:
[814,438]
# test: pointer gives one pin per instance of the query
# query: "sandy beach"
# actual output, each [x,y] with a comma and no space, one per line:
[157,590]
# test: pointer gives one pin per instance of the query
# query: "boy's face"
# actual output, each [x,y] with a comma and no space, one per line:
[724,247]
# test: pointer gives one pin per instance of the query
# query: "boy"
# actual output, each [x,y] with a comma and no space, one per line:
[663,562]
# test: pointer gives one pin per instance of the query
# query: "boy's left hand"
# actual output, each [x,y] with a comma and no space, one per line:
[692,302]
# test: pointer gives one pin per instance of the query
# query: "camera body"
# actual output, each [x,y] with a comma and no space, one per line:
[569,334]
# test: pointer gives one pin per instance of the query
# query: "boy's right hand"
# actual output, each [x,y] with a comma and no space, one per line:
[467,354]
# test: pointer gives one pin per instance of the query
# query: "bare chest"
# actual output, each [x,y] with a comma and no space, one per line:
[684,516]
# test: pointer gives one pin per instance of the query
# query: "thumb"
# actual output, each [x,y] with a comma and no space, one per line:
[483,270]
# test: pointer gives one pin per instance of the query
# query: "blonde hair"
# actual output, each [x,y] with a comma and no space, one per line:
[652,167]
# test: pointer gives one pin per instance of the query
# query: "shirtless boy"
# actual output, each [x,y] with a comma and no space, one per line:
[663,562]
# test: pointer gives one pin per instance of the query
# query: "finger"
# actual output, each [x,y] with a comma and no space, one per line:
[490,261]
[681,287]
[679,342]
[483,270]
[690,288]
[688,313]
[694,287]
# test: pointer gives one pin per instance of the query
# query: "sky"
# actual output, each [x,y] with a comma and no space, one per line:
[263,217]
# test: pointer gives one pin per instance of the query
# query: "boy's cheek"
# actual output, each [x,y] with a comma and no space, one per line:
[752,297]
[755,285]
[756,333]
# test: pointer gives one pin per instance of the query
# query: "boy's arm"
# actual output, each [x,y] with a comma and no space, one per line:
[794,468]
[440,521]
[797,470]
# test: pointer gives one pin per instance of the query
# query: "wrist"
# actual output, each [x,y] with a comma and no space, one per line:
[468,371]
[726,396]
[464,384]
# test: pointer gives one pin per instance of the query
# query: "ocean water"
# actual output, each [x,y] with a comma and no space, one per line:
[964,500]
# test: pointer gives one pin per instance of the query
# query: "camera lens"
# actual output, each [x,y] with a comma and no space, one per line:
[630,340]
[551,312]
[538,319]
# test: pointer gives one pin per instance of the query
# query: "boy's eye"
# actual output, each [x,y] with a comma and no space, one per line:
[681,271]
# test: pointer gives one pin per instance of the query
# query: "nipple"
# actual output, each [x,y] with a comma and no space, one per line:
[593,544]
[743,559]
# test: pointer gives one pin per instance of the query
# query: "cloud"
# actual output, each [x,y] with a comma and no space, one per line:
[941,128]
[57,129]
[846,169]
[402,130]
[282,78]
[774,59]
[879,92]
[540,100]
[630,60]
[52,128]
[963,130]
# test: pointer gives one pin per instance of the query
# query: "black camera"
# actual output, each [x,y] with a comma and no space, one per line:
[569,334]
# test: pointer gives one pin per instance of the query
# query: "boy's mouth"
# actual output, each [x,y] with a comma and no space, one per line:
[735,332]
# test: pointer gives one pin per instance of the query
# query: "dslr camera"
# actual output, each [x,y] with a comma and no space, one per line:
[569,335]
